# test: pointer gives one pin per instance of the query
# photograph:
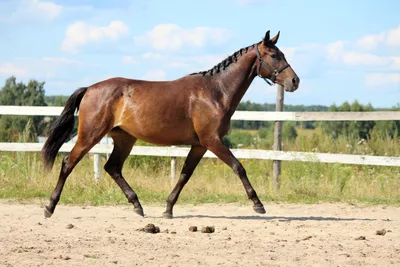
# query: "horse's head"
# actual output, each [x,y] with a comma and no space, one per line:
[272,64]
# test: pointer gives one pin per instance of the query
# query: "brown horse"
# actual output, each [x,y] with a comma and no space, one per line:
[193,110]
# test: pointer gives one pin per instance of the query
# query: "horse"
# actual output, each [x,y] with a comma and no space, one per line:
[194,110]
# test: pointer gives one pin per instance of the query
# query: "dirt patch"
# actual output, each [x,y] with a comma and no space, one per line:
[288,235]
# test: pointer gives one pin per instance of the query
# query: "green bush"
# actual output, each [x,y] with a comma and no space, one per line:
[239,139]
[289,130]
[387,128]
[266,138]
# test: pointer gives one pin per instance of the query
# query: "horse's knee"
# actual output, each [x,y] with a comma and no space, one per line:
[110,168]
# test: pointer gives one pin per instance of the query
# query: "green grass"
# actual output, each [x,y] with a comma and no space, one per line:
[22,179]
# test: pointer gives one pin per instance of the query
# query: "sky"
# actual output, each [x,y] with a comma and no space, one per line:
[342,50]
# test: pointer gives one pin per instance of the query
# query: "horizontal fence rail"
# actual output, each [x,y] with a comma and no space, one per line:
[240,115]
[239,153]
[316,116]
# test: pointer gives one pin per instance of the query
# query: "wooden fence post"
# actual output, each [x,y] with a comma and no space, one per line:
[107,154]
[96,166]
[173,170]
[278,138]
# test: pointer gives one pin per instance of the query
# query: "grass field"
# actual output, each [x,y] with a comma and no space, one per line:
[22,177]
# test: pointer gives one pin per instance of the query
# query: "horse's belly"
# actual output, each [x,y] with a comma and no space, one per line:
[164,122]
[162,133]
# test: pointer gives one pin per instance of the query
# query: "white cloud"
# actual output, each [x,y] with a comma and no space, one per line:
[337,53]
[393,37]
[28,10]
[364,59]
[289,52]
[372,41]
[172,37]
[155,75]
[128,60]
[39,68]
[395,63]
[352,55]
[10,69]
[27,69]
[335,50]
[47,9]
[381,79]
[79,33]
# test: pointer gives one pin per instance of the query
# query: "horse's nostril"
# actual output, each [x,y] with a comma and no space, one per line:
[295,80]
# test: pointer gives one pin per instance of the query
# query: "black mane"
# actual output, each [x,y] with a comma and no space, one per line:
[225,63]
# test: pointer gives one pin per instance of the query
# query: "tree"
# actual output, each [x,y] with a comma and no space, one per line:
[19,94]
[388,128]
[352,129]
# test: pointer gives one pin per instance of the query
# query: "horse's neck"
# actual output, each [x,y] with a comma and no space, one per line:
[235,80]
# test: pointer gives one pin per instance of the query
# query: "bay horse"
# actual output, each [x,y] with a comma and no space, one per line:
[194,110]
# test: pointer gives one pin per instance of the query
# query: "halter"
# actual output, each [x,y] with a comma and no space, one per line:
[275,72]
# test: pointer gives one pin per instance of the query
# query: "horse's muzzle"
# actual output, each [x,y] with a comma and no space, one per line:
[291,86]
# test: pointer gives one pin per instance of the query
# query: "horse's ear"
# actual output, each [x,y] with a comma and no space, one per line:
[266,38]
[275,39]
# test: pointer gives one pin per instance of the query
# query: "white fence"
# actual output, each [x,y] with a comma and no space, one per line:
[241,115]
[174,152]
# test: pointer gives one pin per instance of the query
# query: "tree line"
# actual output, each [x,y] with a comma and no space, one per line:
[15,93]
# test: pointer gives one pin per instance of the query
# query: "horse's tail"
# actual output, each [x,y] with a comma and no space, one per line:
[61,128]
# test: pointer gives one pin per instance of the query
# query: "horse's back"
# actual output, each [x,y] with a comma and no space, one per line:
[154,111]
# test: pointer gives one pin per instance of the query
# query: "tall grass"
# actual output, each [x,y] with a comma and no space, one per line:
[22,177]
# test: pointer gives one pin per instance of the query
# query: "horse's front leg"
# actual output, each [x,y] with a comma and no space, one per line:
[223,153]
[195,155]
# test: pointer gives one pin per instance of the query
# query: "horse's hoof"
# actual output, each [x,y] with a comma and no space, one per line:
[139,211]
[47,212]
[167,215]
[259,209]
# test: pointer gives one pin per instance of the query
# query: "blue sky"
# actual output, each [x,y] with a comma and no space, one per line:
[342,50]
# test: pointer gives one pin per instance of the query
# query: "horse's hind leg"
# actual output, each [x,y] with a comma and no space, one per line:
[123,143]
[92,127]
[68,164]
[84,143]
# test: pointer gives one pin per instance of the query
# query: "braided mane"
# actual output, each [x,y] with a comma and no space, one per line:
[225,63]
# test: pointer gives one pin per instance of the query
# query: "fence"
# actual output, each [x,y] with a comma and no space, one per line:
[174,152]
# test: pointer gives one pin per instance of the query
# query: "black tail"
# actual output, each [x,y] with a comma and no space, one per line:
[61,128]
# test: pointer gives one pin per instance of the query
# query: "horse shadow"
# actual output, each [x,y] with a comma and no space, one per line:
[279,218]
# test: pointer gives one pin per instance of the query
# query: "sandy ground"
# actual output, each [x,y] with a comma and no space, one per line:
[289,235]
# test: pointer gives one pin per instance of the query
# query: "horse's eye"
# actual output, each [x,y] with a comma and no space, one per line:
[273,56]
